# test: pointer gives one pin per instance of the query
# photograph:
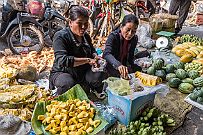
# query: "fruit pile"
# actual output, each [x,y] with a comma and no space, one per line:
[190,38]
[194,66]
[188,51]
[148,80]
[176,75]
[73,117]
[197,95]
[151,122]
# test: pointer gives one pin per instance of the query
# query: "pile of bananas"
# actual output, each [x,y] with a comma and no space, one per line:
[148,80]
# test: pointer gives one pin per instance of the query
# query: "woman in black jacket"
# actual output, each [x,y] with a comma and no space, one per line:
[75,55]
[120,51]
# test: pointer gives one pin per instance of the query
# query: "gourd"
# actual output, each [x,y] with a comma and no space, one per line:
[179,65]
[158,64]
[198,82]
[170,68]
[186,88]
[151,71]
[186,58]
[174,82]
[193,74]
[180,73]
[170,76]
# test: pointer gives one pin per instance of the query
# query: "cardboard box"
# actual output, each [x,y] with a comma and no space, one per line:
[128,108]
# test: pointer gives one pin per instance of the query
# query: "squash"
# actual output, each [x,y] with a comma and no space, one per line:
[190,52]
[186,88]
[186,58]
[200,56]
[180,52]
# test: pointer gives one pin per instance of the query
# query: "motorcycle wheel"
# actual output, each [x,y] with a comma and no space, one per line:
[32,39]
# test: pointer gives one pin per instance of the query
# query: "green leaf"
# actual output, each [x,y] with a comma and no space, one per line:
[75,92]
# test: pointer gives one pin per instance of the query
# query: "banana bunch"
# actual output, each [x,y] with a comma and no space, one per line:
[148,80]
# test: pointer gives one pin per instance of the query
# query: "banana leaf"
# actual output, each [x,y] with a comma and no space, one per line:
[75,92]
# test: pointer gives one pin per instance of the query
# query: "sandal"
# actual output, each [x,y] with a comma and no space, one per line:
[101,95]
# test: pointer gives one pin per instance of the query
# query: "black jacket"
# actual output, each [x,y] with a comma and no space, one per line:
[66,48]
[112,50]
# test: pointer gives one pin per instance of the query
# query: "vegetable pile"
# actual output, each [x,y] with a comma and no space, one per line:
[151,122]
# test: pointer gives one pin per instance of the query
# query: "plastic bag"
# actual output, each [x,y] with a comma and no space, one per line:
[144,36]
[167,55]
[108,113]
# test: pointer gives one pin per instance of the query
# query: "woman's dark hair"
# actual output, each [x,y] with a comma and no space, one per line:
[127,19]
[76,11]
[130,19]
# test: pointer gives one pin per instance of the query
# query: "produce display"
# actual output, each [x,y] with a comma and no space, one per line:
[197,95]
[184,77]
[73,117]
[189,49]
[40,61]
[24,114]
[194,66]
[71,112]
[151,122]
[16,99]
[7,72]
[190,38]
[148,80]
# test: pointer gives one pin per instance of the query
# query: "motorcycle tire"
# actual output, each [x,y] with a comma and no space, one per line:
[35,32]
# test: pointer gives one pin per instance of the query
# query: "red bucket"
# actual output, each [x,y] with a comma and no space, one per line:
[36,8]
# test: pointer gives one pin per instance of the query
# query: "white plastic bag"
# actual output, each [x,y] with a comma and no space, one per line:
[144,36]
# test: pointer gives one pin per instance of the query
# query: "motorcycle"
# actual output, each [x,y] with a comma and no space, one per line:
[20,29]
[142,8]
[51,22]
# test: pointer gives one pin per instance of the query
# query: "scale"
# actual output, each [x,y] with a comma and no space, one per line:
[164,41]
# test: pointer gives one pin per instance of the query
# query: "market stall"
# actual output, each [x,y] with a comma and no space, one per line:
[153,101]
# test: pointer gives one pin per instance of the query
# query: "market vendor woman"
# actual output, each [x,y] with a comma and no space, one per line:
[74,56]
[120,51]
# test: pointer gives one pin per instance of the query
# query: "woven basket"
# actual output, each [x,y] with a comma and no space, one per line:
[169,23]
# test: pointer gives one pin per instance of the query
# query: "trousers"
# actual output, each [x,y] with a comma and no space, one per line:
[64,81]
[183,6]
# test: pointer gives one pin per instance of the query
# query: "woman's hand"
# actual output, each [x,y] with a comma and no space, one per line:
[123,70]
[92,62]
